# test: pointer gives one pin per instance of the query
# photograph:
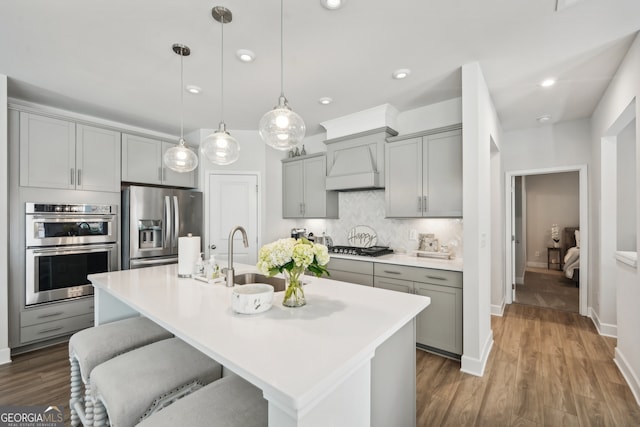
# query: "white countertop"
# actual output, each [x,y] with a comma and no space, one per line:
[409,260]
[295,355]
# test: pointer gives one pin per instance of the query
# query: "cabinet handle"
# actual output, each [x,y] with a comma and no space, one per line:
[392,272]
[79,176]
[72,174]
[436,278]
[424,203]
[57,313]
[45,331]
[419,204]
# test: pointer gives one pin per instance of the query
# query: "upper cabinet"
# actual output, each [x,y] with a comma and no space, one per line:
[304,193]
[424,175]
[57,153]
[142,163]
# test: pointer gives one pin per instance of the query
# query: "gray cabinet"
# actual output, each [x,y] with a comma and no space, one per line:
[352,271]
[56,153]
[304,193]
[439,326]
[424,175]
[142,163]
[53,320]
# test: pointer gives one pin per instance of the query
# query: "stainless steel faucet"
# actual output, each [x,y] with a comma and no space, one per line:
[230,274]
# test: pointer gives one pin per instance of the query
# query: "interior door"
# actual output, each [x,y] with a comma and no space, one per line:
[233,200]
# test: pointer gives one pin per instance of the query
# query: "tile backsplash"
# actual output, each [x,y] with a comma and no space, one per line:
[368,208]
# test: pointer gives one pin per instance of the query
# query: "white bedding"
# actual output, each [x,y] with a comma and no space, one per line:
[571,261]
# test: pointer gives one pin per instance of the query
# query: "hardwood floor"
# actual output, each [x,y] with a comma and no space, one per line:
[547,368]
[548,288]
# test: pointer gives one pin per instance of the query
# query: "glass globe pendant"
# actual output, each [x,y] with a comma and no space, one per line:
[180,158]
[220,147]
[282,128]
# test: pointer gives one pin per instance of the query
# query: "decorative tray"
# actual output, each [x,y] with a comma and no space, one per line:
[431,254]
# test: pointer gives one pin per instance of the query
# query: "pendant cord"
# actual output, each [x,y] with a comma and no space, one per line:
[282,48]
[181,96]
[222,69]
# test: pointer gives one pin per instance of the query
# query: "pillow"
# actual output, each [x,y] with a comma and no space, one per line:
[577,234]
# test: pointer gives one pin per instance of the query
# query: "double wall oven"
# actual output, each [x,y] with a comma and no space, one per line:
[64,244]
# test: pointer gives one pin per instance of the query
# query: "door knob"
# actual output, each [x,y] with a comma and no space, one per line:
[212,247]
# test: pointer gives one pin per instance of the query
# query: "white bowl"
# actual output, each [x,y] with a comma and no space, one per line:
[252,298]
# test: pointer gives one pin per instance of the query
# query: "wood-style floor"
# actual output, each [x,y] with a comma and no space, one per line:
[548,288]
[547,368]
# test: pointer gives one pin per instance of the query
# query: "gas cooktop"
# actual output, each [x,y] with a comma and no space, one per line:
[354,250]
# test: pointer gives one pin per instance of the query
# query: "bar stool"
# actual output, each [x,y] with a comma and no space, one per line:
[93,346]
[228,402]
[134,385]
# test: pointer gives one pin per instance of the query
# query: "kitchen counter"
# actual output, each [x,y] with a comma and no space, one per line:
[335,361]
[409,260]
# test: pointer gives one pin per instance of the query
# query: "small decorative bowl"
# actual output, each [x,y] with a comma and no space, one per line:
[252,298]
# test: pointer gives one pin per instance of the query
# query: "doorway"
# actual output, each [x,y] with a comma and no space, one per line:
[515,248]
[233,199]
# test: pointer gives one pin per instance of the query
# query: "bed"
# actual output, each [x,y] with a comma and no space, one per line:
[571,246]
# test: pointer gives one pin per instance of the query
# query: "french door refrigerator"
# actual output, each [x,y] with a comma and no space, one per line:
[152,220]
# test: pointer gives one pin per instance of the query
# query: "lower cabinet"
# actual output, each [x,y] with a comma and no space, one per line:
[50,321]
[352,271]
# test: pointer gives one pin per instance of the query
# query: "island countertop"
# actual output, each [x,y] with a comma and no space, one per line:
[295,355]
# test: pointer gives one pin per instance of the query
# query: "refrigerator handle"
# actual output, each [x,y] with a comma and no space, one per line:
[176,220]
[167,222]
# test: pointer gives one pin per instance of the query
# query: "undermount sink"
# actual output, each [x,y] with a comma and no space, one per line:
[278,283]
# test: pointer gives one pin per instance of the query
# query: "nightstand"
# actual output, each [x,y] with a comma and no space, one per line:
[554,257]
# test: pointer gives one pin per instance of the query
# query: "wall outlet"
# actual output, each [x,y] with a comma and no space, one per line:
[537,253]
[413,235]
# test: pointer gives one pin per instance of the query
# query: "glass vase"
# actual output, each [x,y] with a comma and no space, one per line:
[294,294]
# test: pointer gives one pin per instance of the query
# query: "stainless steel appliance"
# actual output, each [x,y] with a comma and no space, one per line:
[152,220]
[354,250]
[64,244]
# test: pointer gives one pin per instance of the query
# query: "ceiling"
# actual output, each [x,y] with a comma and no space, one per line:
[113,59]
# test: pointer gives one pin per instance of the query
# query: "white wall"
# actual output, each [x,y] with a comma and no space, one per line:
[551,199]
[623,90]
[480,127]
[626,192]
[5,353]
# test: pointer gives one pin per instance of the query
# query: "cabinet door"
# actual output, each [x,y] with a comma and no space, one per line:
[47,152]
[442,174]
[315,193]
[173,178]
[403,178]
[141,160]
[440,324]
[397,285]
[97,159]
[292,189]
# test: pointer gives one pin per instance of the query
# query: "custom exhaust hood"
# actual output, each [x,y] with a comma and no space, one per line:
[355,149]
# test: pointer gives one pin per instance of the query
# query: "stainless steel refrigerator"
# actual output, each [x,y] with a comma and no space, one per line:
[152,220]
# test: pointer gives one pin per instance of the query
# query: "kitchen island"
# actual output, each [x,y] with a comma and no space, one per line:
[347,358]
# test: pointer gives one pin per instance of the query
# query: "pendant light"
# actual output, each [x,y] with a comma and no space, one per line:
[282,128]
[220,147]
[180,158]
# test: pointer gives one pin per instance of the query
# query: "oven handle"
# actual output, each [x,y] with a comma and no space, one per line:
[70,250]
[42,218]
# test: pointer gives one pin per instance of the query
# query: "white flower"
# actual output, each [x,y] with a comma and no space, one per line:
[287,254]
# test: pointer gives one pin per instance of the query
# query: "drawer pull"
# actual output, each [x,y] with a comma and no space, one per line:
[436,278]
[392,272]
[46,331]
[57,313]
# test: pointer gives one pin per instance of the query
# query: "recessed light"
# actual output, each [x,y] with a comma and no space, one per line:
[544,119]
[332,4]
[548,82]
[245,55]
[401,73]
[325,100]
[193,89]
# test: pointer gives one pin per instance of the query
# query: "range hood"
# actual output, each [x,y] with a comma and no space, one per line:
[355,153]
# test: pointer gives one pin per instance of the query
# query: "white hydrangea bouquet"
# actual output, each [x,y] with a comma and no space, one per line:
[292,257]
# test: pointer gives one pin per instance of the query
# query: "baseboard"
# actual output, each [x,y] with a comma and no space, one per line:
[627,372]
[520,280]
[5,356]
[470,365]
[605,329]
[497,309]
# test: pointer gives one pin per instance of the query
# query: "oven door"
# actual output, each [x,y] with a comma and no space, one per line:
[50,230]
[59,273]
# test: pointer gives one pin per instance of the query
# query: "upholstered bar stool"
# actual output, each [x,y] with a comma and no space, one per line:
[228,402]
[136,384]
[93,346]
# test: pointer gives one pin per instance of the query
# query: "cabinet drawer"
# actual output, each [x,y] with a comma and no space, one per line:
[418,274]
[55,328]
[49,313]
[352,266]
[347,276]
[393,284]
